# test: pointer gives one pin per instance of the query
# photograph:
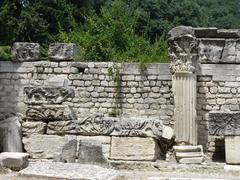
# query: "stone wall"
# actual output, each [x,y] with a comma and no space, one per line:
[94,90]
[69,102]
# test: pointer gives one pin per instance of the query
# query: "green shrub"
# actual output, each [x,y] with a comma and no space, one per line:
[111,36]
[5,53]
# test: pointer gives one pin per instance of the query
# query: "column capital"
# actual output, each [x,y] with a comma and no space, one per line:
[182,50]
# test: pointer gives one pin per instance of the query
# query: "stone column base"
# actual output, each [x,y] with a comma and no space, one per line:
[187,154]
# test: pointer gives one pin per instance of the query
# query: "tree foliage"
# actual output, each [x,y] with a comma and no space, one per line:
[119,30]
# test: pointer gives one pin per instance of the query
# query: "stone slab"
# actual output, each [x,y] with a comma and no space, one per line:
[59,148]
[62,51]
[188,154]
[188,148]
[193,160]
[24,51]
[68,171]
[232,147]
[14,160]
[134,149]
[224,123]
[210,32]
[11,135]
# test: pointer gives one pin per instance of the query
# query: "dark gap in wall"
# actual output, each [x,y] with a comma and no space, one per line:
[219,153]
[81,69]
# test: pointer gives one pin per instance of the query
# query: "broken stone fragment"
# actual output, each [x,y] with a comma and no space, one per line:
[24,51]
[62,51]
[13,160]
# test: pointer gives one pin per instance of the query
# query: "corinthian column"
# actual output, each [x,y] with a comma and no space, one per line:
[183,56]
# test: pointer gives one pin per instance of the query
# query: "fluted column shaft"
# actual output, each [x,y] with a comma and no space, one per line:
[184,89]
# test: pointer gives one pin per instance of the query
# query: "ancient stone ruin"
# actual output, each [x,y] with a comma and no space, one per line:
[68,111]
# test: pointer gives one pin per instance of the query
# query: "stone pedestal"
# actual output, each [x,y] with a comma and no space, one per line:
[232,146]
[184,88]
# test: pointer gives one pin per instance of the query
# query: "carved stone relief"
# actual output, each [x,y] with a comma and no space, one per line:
[23,51]
[62,51]
[47,95]
[99,125]
[183,53]
[50,113]
[224,123]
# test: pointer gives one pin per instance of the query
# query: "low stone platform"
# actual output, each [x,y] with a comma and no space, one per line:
[71,171]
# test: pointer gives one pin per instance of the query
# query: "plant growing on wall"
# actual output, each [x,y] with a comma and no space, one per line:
[115,73]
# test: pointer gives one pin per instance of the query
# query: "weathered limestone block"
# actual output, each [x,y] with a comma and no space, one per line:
[93,149]
[47,95]
[11,135]
[29,127]
[50,113]
[232,146]
[205,32]
[59,148]
[14,160]
[91,152]
[210,50]
[62,51]
[24,51]
[134,148]
[224,123]
[228,33]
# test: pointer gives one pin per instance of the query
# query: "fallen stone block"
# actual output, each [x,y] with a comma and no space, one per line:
[62,51]
[13,160]
[11,135]
[59,148]
[232,146]
[134,149]
[24,51]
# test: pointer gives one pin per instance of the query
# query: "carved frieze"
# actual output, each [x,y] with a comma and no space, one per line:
[47,95]
[99,125]
[224,123]
[49,113]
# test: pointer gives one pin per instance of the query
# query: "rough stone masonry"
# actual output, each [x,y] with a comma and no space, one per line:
[59,98]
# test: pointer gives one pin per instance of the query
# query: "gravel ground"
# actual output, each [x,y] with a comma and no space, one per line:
[160,171]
